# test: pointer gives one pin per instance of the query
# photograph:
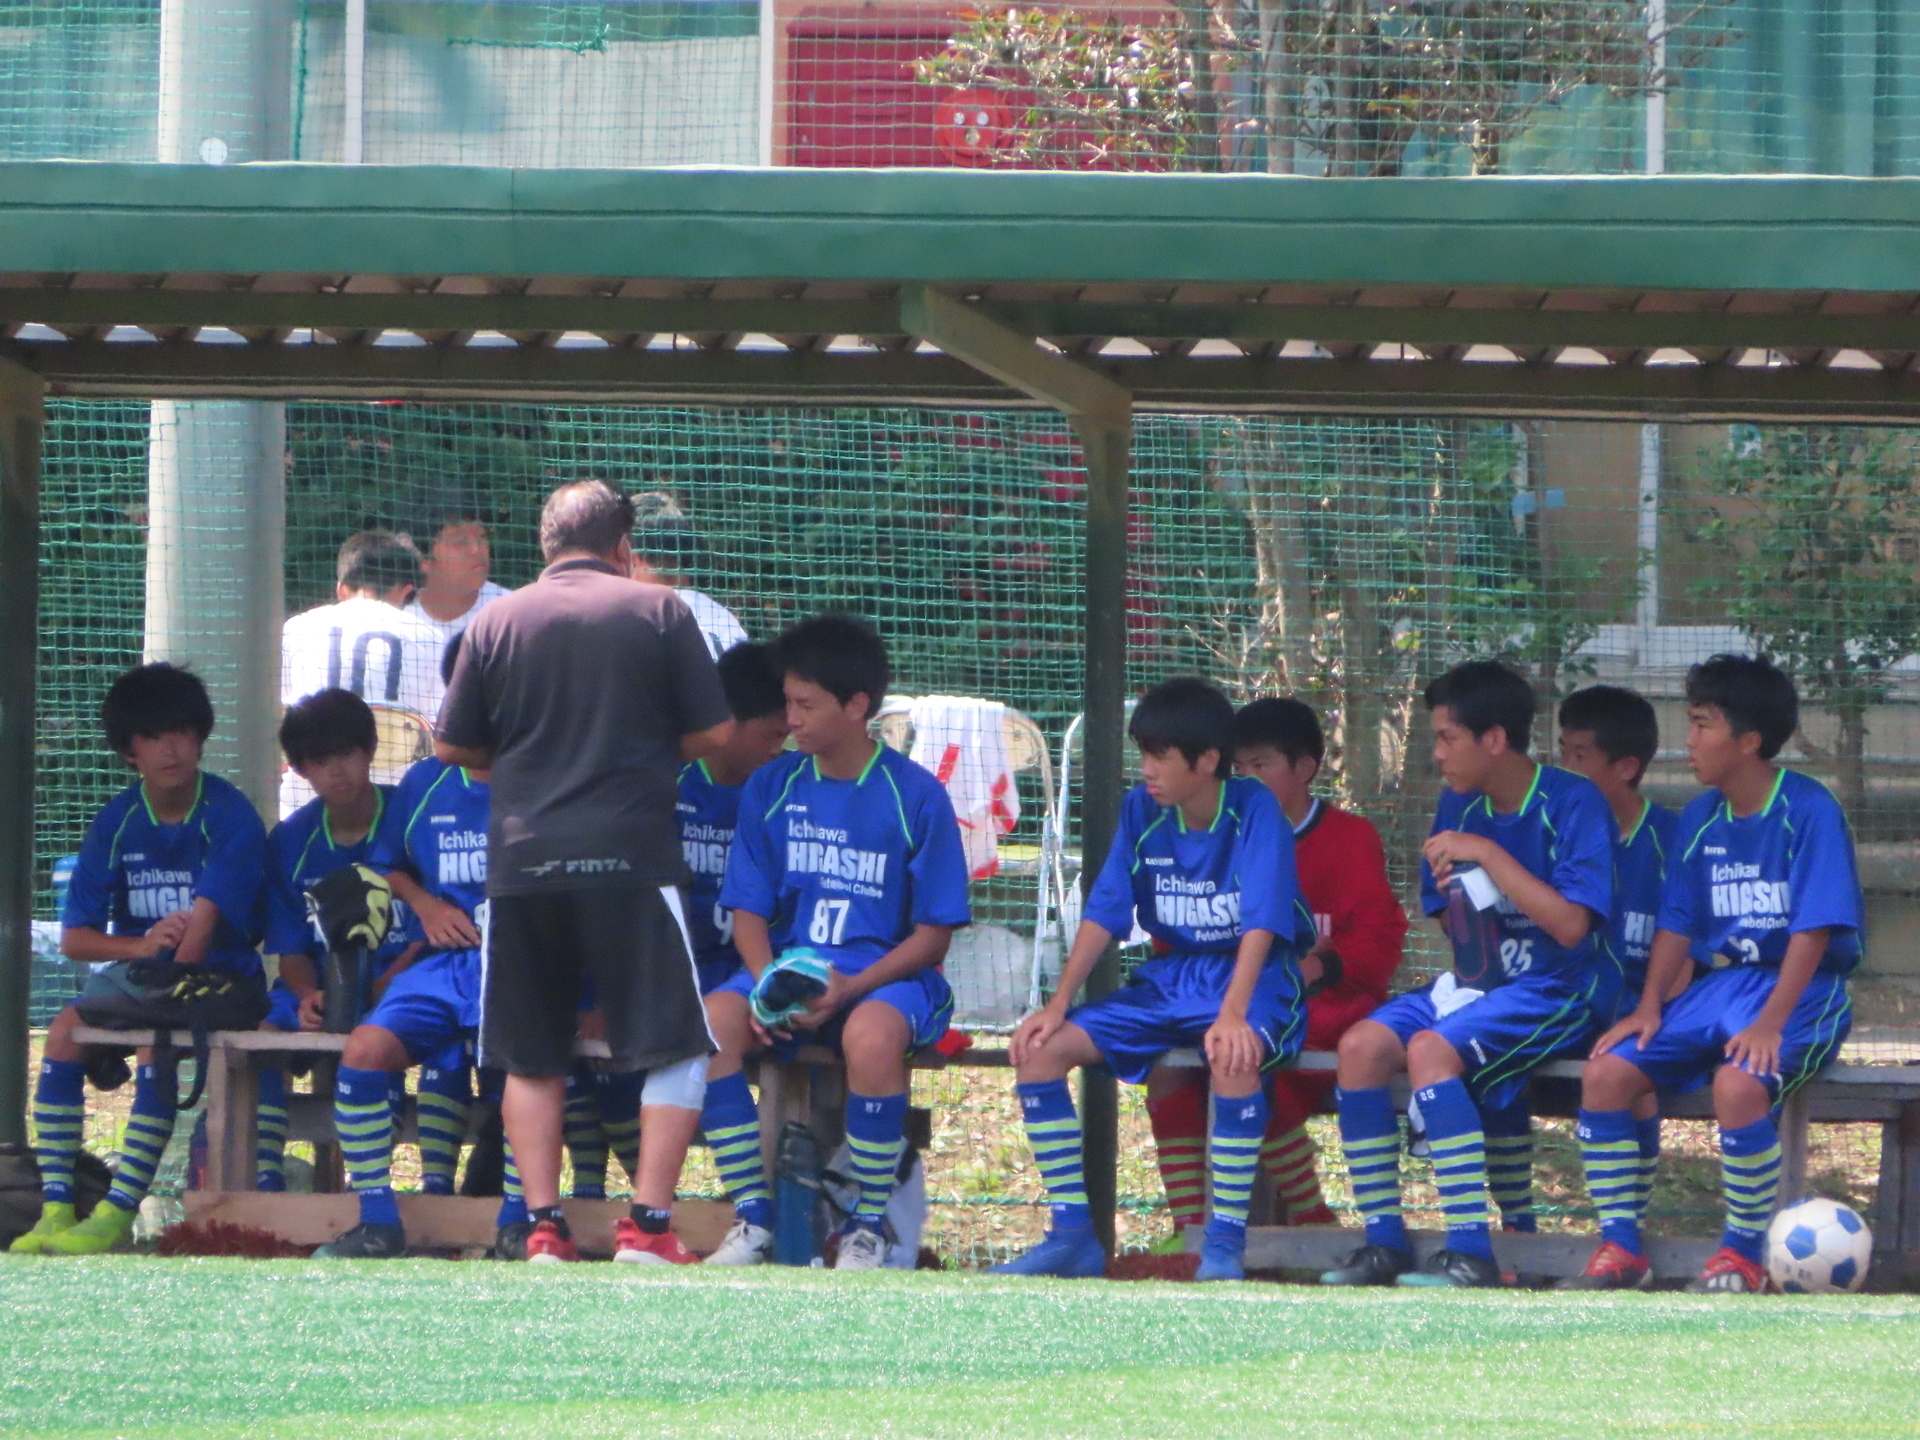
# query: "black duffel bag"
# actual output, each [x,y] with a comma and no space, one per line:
[162,995]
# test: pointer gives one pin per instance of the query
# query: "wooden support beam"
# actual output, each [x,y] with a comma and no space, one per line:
[1012,358]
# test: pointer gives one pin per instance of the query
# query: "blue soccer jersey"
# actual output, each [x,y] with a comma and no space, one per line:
[1198,891]
[1639,881]
[435,827]
[133,870]
[1563,833]
[847,867]
[300,851]
[1741,886]
[708,812]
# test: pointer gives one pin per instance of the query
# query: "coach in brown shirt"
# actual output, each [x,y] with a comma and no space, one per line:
[583,693]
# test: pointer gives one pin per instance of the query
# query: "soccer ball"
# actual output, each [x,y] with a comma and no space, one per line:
[1818,1247]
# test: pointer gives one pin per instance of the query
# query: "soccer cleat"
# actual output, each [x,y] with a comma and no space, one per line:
[1174,1244]
[1071,1254]
[634,1246]
[1370,1265]
[510,1240]
[56,1218]
[861,1249]
[746,1244]
[1456,1270]
[1223,1258]
[1729,1272]
[366,1242]
[1613,1267]
[547,1246]
[100,1232]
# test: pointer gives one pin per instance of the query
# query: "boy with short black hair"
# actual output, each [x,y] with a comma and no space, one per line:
[847,855]
[171,866]
[1521,992]
[1203,862]
[1763,890]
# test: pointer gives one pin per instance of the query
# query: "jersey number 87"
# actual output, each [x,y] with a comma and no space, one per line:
[829,921]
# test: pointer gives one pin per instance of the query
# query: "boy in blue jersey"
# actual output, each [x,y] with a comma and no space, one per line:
[1204,862]
[172,866]
[1469,1040]
[1762,889]
[851,850]
[329,740]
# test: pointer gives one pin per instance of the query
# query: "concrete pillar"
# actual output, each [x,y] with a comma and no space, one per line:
[226,81]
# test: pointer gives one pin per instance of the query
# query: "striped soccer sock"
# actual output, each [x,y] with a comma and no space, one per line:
[270,1139]
[877,1137]
[149,1128]
[1179,1120]
[1370,1139]
[1750,1176]
[586,1146]
[731,1122]
[1646,1134]
[363,1121]
[1290,1160]
[1612,1160]
[513,1197]
[59,1117]
[1509,1135]
[617,1094]
[1239,1125]
[1459,1149]
[1053,1130]
[446,1095]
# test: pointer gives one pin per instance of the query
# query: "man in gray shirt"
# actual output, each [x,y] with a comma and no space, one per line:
[583,693]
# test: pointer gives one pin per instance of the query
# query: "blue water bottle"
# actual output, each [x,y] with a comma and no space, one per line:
[1473,926]
[796,1189]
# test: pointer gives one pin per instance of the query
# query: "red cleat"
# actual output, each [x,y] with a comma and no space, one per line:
[634,1246]
[1729,1273]
[547,1246]
[1613,1267]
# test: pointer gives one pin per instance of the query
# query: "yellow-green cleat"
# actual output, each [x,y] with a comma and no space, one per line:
[100,1232]
[56,1218]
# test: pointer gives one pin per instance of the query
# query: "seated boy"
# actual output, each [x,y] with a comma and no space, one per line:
[851,850]
[1342,870]
[172,866]
[1469,1040]
[1204,863]
[1762,888]
[329,740]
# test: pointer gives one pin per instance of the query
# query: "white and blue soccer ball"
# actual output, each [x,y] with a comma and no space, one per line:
[1818,1247]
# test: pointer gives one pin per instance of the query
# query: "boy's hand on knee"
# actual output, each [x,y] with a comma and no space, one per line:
[1756,1049]
[1231,1046]
[1032,1034]
[1641,1026]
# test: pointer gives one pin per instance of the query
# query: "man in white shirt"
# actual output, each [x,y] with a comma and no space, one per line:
[455,587]
[365,642]
[665,547]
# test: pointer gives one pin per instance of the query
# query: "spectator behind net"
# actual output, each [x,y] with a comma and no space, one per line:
[666,548]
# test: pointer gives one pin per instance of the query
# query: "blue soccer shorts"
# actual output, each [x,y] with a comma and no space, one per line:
[1173,1000]
[924,1000]
[1505,1035]
[727,974]
[1691,1043]
[433,1005]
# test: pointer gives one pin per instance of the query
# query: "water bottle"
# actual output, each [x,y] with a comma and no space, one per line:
[342,1002]
[1473,926]
[796,1185]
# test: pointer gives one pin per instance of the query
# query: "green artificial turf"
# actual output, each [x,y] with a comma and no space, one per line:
[136,1347]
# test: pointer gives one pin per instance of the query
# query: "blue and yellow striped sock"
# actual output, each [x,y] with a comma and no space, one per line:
[513,1199]
[363,1120]
[617,1095]
[1509,1135]
[877,1137]
[446,1094]
[1612,1160]
[270,1139]
[731,1122]
[1053,1130]
[149,1128]
[1459,1149]
[586,1146]
[59,1119]
[1646,1134]
[1370,1139]
[1239,1126]
[1750,1176]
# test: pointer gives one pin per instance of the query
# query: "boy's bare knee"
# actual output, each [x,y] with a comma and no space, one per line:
[1610,1083]
[1370,1055]
[1739,1098]
[1430,1059]
[374,1047]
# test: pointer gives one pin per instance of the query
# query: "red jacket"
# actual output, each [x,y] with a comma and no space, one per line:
[1343,878]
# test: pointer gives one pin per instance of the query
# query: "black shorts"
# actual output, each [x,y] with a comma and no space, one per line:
[631,943]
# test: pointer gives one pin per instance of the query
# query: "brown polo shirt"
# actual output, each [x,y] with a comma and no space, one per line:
[581,685]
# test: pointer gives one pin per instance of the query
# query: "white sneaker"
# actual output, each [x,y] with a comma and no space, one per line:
[746,1244]
[861,1249]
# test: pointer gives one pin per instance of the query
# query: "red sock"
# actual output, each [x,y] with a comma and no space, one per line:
[1289,1157]
[1179,1121]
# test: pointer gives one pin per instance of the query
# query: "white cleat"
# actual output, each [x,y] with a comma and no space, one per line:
[746,1244]
[861,1249]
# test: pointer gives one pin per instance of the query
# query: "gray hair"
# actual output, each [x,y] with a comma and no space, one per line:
[587,515]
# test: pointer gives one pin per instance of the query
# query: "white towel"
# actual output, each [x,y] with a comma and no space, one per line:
[963,741]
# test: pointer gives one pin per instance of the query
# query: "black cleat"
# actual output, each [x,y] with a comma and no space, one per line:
[1370,1265]
[1454,1269]
[510,1242]
[366,1242]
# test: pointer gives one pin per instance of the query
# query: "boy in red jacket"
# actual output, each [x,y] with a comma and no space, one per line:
[1343,878]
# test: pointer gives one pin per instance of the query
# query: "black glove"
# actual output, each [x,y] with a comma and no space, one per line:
[353,906]
[1332,972]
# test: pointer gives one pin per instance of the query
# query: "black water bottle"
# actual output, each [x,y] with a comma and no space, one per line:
[342,1008]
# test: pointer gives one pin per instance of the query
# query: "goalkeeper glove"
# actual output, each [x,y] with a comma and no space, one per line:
[353,908]
[785,987]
